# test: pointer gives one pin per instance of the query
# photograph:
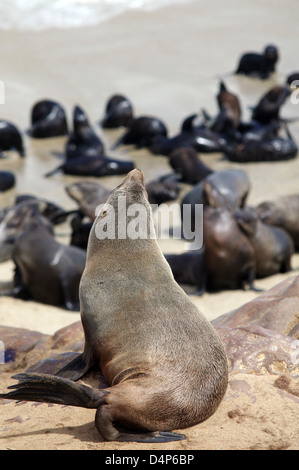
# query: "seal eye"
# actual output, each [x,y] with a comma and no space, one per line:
[104,213]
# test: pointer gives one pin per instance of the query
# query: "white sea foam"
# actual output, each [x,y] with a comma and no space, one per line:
[45,14]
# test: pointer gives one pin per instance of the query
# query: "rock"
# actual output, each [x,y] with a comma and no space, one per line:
[256,350]
[276,309]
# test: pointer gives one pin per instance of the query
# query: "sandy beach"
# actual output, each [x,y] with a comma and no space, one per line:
[167,62]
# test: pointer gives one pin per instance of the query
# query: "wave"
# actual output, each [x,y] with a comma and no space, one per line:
[64,14]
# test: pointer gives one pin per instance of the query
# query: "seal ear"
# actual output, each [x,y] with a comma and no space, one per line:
[212,197]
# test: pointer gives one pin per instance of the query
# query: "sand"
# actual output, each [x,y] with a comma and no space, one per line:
[167,62]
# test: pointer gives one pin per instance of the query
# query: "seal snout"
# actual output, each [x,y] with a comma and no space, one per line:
[136,176]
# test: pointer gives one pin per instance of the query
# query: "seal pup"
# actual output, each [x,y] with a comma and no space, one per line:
[48,271]
[260,65]
[83,141]
[188,268]
[7,180]
[273,246]
[263,147]
[10,138]
[191,135]
[229,117]
[162,189]
[93,166]
[282,212]
[232,186]
[48,119]
[88,195]
[118,113]
[142,132]
[268,107]
[186,163]
[164,364]
[229,257]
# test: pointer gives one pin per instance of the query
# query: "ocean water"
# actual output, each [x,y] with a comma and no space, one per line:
[44,14]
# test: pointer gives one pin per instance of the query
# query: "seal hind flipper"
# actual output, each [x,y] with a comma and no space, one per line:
[51,389]
[75,369]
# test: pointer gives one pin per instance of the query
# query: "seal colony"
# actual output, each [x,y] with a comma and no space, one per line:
[163,362]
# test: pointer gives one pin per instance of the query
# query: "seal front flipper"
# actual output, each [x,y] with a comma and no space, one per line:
[75,369]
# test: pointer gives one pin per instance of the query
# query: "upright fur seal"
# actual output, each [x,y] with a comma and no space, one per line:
[48,119]
[268,107]
[83,141]
[163,362]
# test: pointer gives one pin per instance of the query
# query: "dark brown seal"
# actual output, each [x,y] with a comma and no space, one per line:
[165,370]
[48,119]
[10,138]
[260,65]
[229,257]
[282,212]
[269,105]
[46,270]
[118,113]
[272,245]
[7,180]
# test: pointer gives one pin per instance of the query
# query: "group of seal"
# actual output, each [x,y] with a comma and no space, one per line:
[45,270]
[148,386]
[240,243]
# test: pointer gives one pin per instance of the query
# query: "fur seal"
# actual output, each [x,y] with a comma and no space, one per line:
[282,212]
[229,116]
[118,113]
[186,163]
[229,256]
[142,132]
[80,232]
[192,135]
[47,271]
[231,185]
[48,119]
[188,268]
[261,65]
[162,189]
[7,180]
[93,166]
[262,148]
[83,141]
[272,245]
[10,138]
[268,107]
[164,370]
[292,77]
[88,195]
[51,211]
